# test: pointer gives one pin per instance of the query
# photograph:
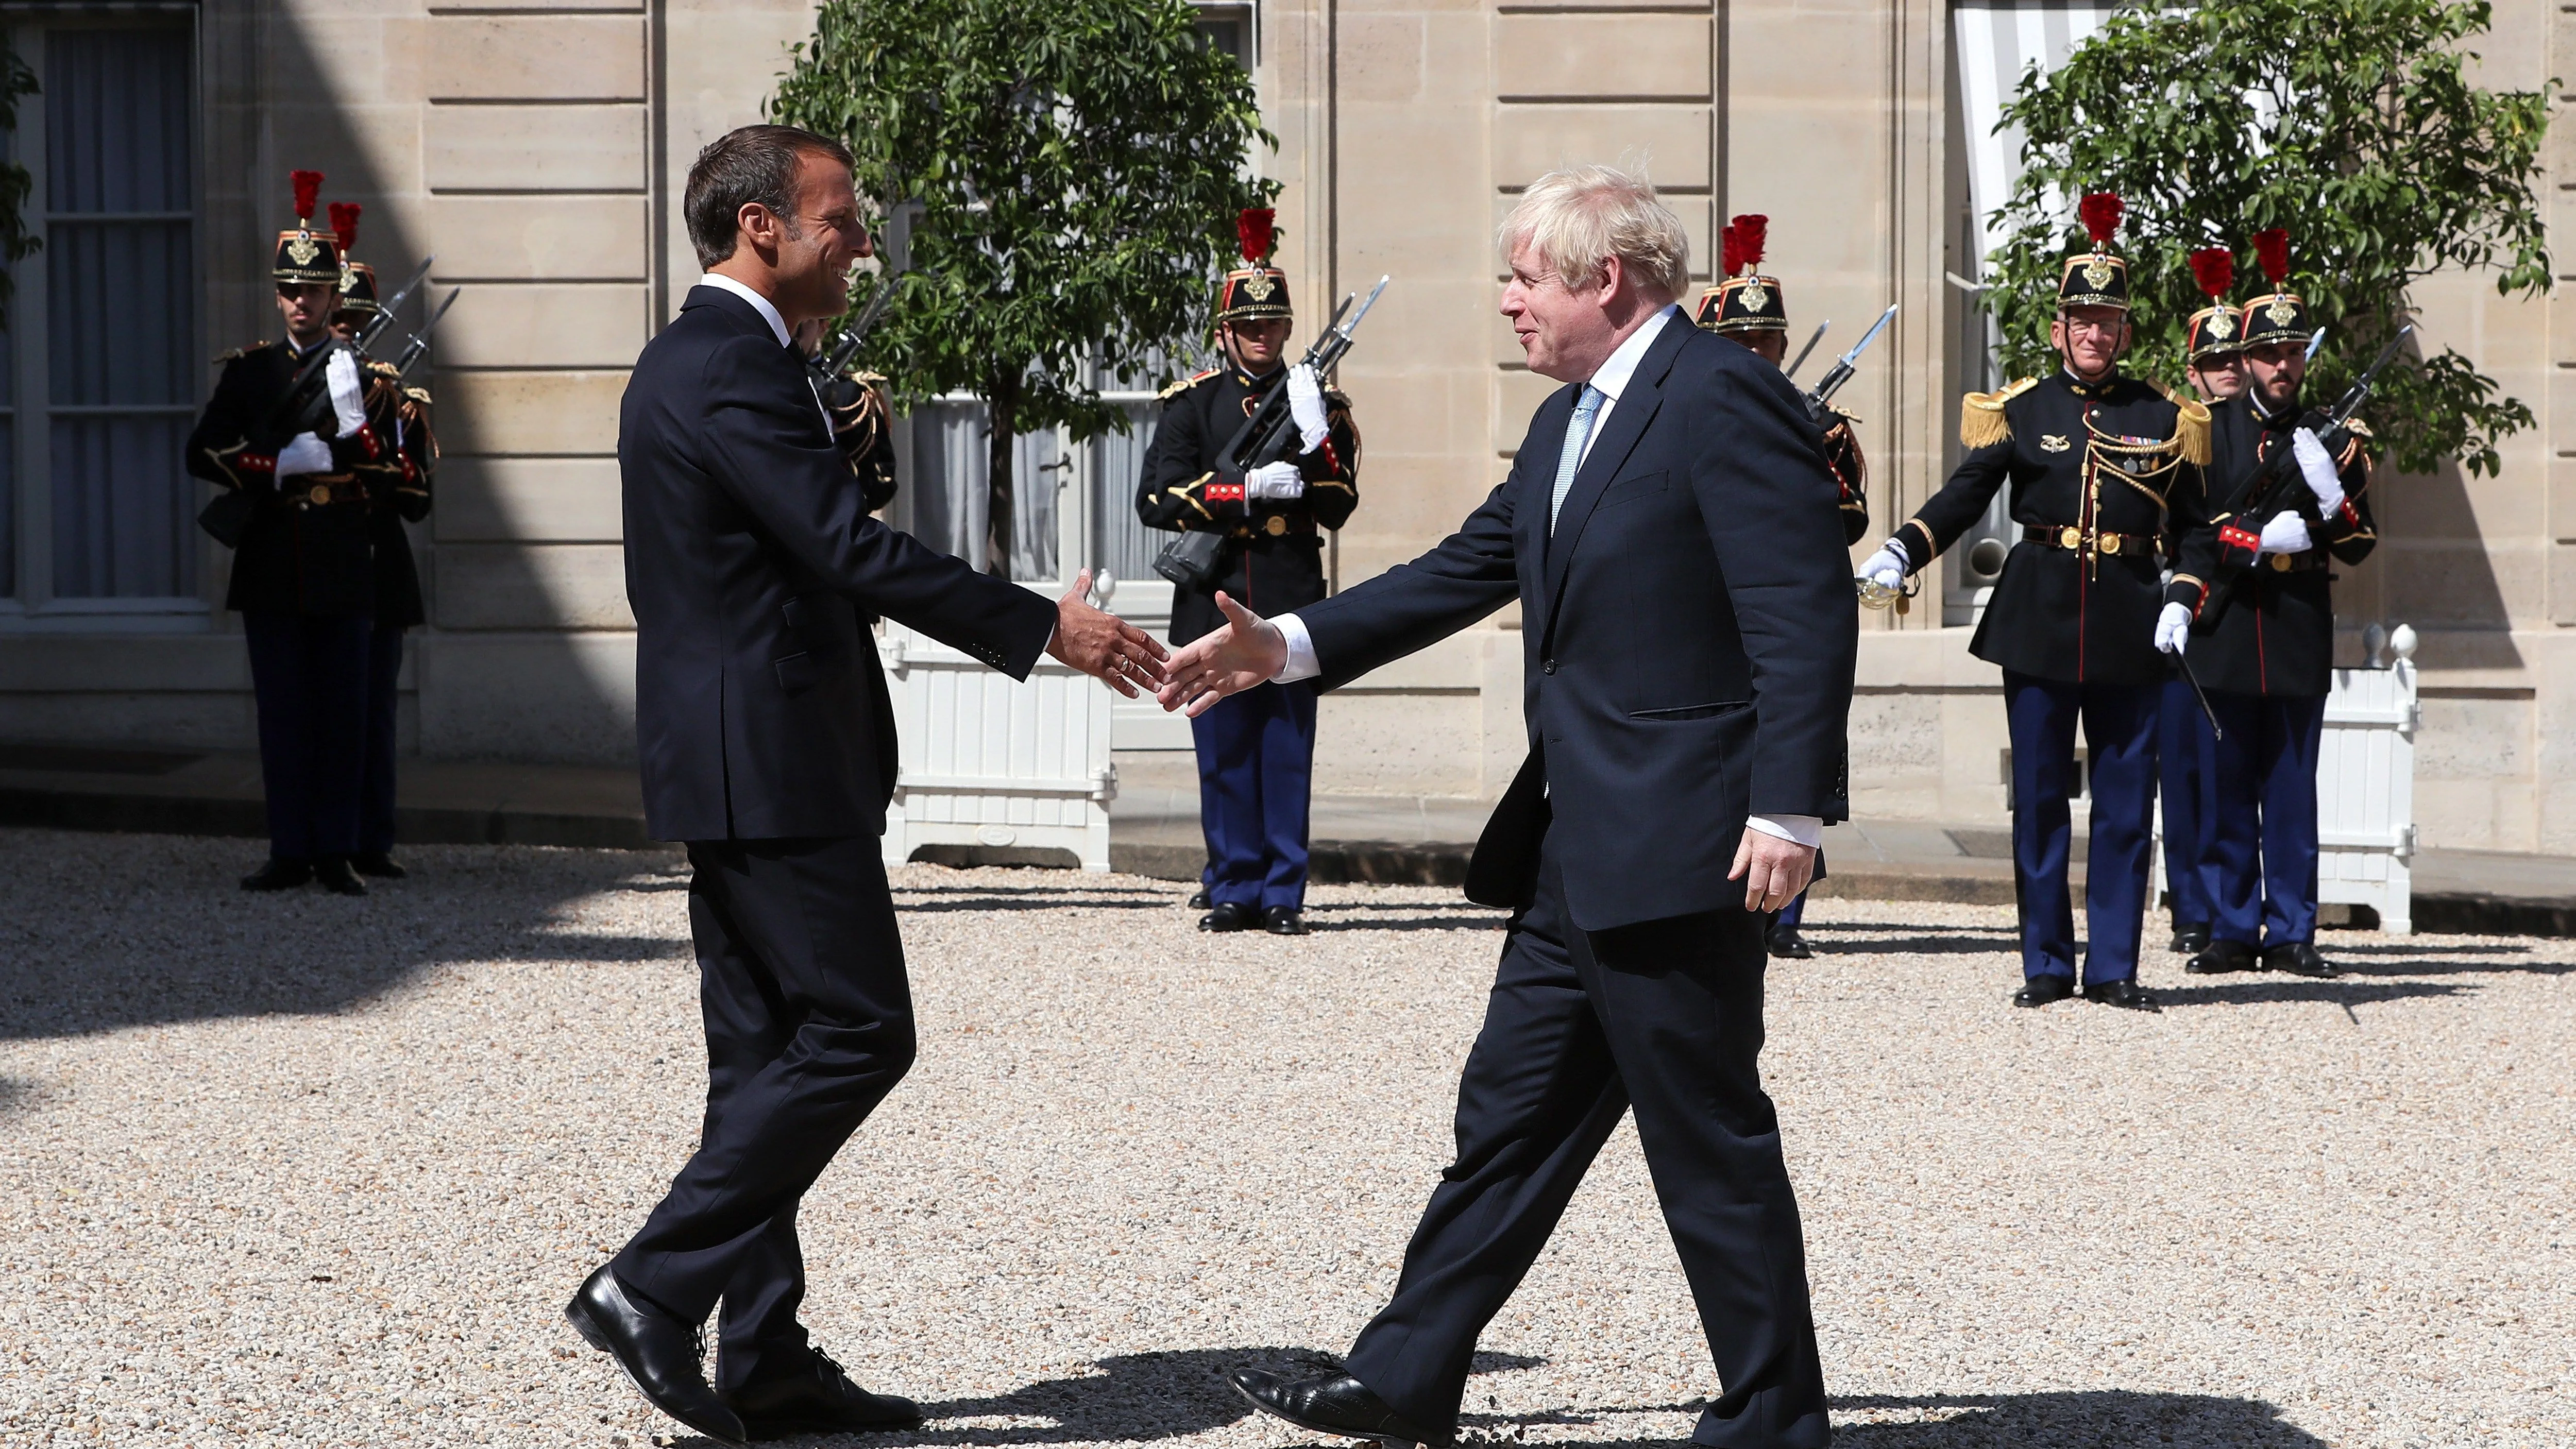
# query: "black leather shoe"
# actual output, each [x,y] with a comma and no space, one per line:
[1785,941]
[2190,937]
[377,863]
[1199,899]
[1328,1404]
[659,1352]
[2299,958]
[2219,958]
[2043,990]
[2127,995]
[1230,916]
[279,874]
[337,878]
[814,1396]
[1284,921]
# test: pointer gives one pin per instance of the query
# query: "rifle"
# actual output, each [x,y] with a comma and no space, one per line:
[1264,435]
[418,345]
[297,411]
[2275,483]
[845,349]
[1791,371]
[1841,371]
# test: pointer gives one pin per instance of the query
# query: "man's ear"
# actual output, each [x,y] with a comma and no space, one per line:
[757,224]
[1614,270]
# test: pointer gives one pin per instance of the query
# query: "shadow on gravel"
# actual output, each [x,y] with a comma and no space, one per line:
[2057,1421]
[1134,1396]
[1494,921]
[15,1094]
[2346,993]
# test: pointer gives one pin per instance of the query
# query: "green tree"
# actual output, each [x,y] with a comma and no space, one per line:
[16,80]
[1080,164]
[2352,124]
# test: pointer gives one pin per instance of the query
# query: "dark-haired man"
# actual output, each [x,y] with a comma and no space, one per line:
[766,737]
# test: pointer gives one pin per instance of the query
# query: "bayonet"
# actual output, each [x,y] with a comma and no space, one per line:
[419,342]
[2316,340]
[1791,371]
[846,349]
[1841,372]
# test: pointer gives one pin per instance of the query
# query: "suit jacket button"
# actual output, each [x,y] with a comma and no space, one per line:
[1547,666]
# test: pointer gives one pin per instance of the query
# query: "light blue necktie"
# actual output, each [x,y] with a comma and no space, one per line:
[1578,431]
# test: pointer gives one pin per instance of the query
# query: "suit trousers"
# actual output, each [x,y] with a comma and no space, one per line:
[2183,744]
[2261,863]
[1256,753]
[376,785]
[809,1025]
[2120,734]
[1665,1016]
[308,673]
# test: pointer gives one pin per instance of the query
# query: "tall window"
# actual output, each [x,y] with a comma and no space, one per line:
[101,375]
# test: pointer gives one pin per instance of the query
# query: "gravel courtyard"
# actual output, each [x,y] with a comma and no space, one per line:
[307,1170]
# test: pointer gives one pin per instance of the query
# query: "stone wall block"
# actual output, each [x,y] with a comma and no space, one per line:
[535,148]
[537,586]
[528,500]
[530,412]
[545,326]
[536,57]
[1580,57]
[511,238]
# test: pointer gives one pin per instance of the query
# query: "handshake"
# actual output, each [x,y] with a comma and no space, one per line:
[1247,650]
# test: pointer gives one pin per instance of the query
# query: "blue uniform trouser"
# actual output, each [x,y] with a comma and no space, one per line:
[2182,766]
[1256,773]
[1792,913]
[2261,871]
[2120,729]
[309,675]
[376,792]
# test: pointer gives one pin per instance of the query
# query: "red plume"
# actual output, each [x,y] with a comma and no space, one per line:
[1734,250]
[2272,249]
[308,188]
[344,224]
[2215,269]
[2101,212]
[1255,230]
[1751,232]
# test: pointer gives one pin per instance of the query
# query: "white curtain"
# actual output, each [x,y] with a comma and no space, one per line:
[1120,543]
[1996,41]
[951,449]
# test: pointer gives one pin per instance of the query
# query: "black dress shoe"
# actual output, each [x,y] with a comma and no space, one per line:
[2219,958]
[1230,916]
[813,1396]
[2127,995]
[337,878]
[1328,1404]
[1284,921]
[280,874]
[2190,937]
[2299,958]
[1784,940]
[659,1352]
[2043,990]
[377,863]
[1199,899]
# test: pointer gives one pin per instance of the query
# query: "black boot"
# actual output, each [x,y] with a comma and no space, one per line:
[2044,990]
[282,873]
[1284,921]
[2127,995]
[2299,958]
[336,877]
[811,1395]
[658,1352]
[1230,916]
[1784,940]
[2191,936]
[378,863]
[2219,958]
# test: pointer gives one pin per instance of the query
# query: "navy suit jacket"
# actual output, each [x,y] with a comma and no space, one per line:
[751,565]
[1688,632]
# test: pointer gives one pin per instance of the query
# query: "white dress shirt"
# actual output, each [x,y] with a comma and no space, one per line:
[1612,380]
[760,304]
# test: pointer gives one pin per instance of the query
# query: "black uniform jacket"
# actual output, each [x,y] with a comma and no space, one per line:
[1275,562]
[2093,468]
[398,598]
[306,549]
[760,709]
[1688,632]
[2276,634]
[1851,472]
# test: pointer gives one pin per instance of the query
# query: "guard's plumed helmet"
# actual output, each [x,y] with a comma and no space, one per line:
[2216,330]
[357,279]
[1744,300]
[2096,278]
[303,256]
[2279,315]
[1257,289]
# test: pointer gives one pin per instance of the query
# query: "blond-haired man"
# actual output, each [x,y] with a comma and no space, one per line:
[1671,533]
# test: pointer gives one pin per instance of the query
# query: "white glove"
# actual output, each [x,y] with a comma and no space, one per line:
[1275,480]
[303,453]
[2286,533]
[1306,405]
[1886,568]
[2173,629]
[347,402]
[2319,471]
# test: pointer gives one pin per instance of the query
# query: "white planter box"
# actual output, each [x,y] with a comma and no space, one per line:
[988,761]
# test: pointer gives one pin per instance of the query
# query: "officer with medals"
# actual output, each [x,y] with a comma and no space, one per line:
[2213,340]
[295,495]
[1748,307]
[2266,655]
[1256,749]
[398,598]
[2093,459]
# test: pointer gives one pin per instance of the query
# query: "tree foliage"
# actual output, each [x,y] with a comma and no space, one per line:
[2353,124]
[1080,165]
[16,242]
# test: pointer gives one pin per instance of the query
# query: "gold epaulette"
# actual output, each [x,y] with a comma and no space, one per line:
[1185,384]
[382,368]
[1982,423]
[2191,425]
[2358,428]
[419,395]
[223,357]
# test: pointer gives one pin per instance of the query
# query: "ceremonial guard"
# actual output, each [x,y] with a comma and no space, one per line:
[2212,341]
[2093,458]
[861,417]
[398,599]
[1748,307]
[297,469]
[2255,597]
[1256,750]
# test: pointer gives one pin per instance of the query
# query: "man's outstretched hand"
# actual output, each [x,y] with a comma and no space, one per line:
[1103,645]
[1246,650]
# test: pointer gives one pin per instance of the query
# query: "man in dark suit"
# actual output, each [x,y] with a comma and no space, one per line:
[1670,530]
[767,742]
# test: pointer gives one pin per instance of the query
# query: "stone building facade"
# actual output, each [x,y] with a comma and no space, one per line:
[537,147]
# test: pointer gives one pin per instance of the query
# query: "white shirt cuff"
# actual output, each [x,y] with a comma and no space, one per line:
[1301,650]
[1806,830]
